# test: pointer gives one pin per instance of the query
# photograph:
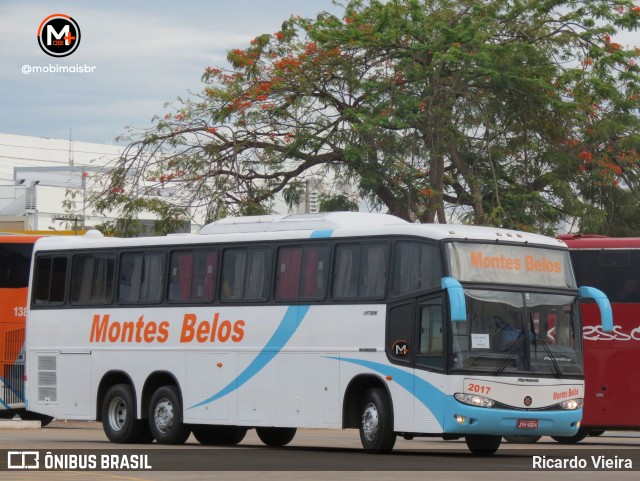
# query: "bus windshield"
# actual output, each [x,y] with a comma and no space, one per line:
[613,271]
[518,332]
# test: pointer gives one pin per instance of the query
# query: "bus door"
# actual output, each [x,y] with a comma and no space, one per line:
[415,340]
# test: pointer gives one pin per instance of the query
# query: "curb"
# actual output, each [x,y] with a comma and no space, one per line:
[18,424]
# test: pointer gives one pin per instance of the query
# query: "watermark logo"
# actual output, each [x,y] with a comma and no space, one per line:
[400,349]
[23,460]
[59,35]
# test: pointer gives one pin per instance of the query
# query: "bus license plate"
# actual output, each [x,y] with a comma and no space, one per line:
[527,424]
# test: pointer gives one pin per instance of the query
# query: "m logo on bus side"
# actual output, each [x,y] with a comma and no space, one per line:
[400,349]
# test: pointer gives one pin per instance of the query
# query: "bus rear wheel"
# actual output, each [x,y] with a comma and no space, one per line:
[376,422]
[119,415]
[165,416]
[219,435]
[276,437]
[483,444]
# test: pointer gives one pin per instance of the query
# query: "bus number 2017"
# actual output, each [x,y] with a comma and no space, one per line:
[479,388]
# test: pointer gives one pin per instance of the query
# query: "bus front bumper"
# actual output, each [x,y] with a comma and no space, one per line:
[464,419]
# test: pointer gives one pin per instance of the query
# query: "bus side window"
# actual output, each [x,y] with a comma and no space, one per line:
[416,268]
[50,279]
[233,269]
[345,275]
[203,285]
[373,273]
[301,272]
[258,274]
[192,275]
[246,274]
[141,277]
[288,273]
[315,272]
[360,271]
[92,278]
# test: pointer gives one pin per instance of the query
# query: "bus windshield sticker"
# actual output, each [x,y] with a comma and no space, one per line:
[510,264]
[480,341]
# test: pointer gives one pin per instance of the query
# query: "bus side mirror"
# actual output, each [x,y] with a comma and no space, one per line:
[606,315]
[457,304]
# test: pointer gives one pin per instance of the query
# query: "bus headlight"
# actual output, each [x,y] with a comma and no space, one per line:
[474,400]
[571,404]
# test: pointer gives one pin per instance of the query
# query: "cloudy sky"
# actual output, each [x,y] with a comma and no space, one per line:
[145,53]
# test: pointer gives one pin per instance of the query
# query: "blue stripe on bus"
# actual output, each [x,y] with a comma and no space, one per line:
[317,234]
[480,420]
[433,398]
[13,391]
[5,405]
[288,326]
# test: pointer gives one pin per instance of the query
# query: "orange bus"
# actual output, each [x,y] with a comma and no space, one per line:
[15,261]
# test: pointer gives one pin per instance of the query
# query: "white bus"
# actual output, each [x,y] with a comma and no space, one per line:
[339,320]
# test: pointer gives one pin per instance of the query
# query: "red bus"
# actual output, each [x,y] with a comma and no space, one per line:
[15,261]
[612,379]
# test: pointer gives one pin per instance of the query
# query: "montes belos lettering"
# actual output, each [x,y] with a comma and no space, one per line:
[216,330]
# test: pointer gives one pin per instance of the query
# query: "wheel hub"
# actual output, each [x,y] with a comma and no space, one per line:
[163,415]
[117,413]
[370,422]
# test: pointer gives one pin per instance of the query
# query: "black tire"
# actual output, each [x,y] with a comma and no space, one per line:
[31,416]
[119,415]
[576,438]
[165,416]
[276,437]
[219,435]
[596,432]
[522,439]
[483,444]
[376,422]
[145,435]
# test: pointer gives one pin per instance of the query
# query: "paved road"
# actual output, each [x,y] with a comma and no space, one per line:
[314,454]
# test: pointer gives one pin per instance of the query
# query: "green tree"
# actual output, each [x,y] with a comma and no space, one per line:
[337,203]
[517,113]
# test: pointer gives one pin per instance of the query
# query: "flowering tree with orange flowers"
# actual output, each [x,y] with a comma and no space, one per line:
[518,113]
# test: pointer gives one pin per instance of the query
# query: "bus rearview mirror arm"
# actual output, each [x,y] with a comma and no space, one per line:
[457,304]
[606,315]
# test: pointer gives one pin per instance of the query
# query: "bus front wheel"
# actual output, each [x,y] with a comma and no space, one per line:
[376,422]
[483,444]
[576,438]
[522,439]
[119,415]
[165,416]
[276,437]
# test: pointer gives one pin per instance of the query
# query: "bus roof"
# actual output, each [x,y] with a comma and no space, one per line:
[334,225]
[592,241]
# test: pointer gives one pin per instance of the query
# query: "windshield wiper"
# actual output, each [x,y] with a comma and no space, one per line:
[545,346]
[502,365]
